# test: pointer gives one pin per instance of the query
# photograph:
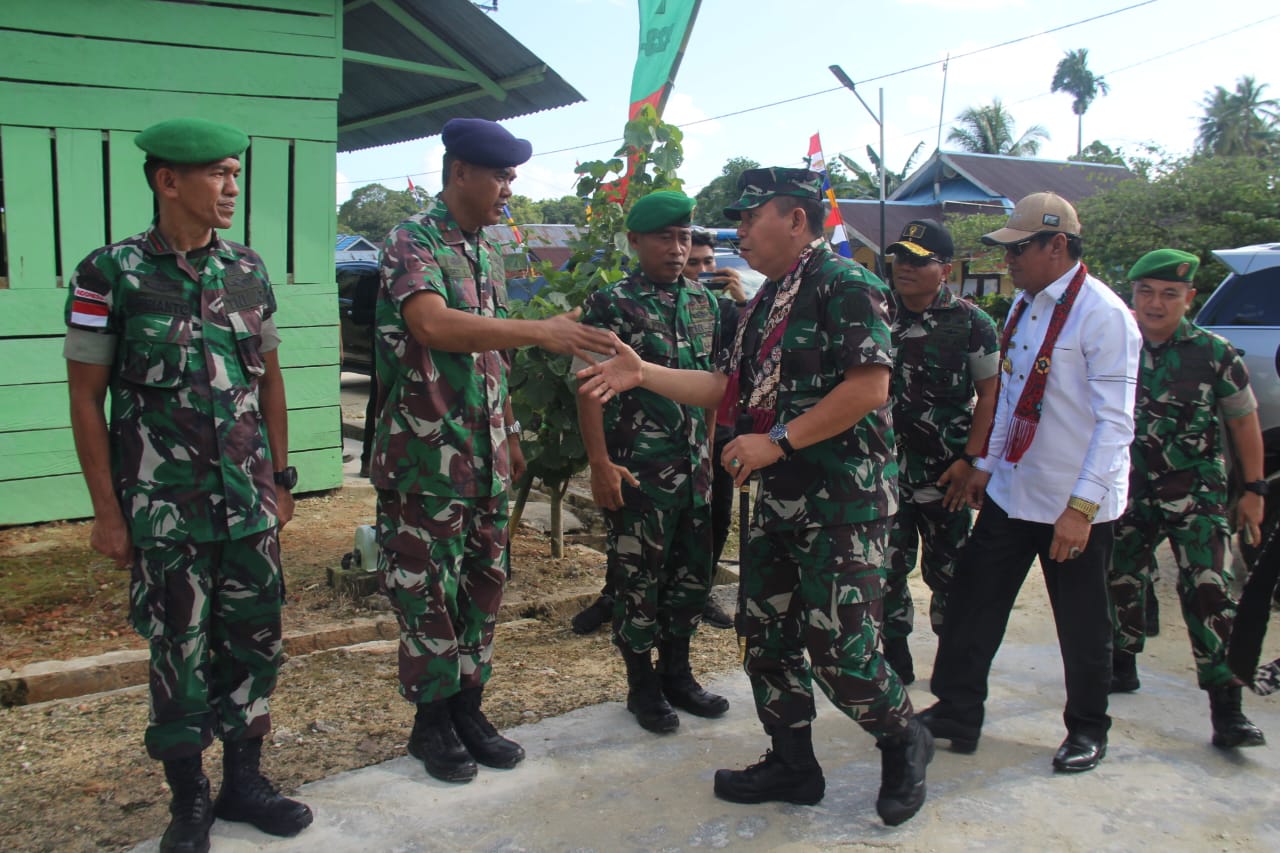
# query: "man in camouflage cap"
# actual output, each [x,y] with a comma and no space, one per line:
[1191,381]
[190,481]
[651,466]
[446,445]
[807,383]
[946,357]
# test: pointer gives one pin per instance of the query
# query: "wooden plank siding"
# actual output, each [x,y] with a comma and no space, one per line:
[72,103]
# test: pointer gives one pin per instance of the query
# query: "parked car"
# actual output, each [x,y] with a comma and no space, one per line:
[357,294]
[1245,309]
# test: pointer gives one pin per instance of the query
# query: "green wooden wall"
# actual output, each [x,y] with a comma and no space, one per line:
[70,107]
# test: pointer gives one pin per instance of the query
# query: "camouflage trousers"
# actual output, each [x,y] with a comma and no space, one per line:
[443,566]
[1198,536]
[211,611]
[660,568]
[937,536]
[819,590]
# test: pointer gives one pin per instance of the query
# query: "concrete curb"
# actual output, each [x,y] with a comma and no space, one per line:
[67,679]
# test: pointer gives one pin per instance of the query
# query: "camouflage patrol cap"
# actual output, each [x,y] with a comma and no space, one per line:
[191,140]
[756,186]
[1166,265]
[660,210]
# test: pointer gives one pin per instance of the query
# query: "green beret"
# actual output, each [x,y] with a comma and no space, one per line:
[1166,265]
[660,210]
[191,140]
[756,186]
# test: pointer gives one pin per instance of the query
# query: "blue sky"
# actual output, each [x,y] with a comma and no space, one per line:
[1159,59]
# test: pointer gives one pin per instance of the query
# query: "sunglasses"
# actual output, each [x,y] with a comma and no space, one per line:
[917,261]
[1016,249]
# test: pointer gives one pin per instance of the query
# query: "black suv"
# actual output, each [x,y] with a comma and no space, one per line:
[357,294]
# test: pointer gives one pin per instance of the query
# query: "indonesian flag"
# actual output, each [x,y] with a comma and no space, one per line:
[89,309]
[818,163]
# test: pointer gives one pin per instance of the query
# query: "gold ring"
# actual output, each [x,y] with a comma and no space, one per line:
[735,463]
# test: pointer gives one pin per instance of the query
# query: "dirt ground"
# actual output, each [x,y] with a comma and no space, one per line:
[73,773]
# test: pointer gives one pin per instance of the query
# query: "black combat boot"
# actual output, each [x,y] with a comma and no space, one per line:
[1152,607]
[788,773]
[902,765]
[715,617]
[192,813]
[678,684]
[644,694]
[248,797]
[478,735]
[1124,672]
[898,655]
[963,734]
[1231,728]
[435,743]
[595,614]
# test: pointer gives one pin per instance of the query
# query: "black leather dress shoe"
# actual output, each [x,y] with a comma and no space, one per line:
[963,737]
[1079,753]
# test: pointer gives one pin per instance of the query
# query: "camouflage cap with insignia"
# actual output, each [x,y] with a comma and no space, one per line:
[191,140]
[660,210]
[756,186]
[1165,265]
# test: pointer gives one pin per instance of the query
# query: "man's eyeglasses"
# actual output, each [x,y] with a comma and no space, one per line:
[917,261]
[1016,249]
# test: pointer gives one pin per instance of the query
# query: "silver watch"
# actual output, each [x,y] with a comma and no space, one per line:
[512,428]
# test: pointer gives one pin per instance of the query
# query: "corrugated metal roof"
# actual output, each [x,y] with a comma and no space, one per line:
[354,243]
[954,175]
[382,105]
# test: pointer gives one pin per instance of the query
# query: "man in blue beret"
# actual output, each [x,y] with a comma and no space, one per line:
[1191,381]
[191,483]
[447,446]
[651,467]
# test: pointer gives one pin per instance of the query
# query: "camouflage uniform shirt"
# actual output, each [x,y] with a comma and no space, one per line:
[938,356]
[185,336]
[840,319]
[1177,446]
[664,444]
[440,427]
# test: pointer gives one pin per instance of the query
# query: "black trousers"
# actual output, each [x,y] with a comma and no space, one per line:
[990,574]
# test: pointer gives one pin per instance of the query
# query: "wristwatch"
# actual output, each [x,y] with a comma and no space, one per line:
[287,478]
[778,435]
[512,428]
[1258,487]
[969,458]
[1088,509]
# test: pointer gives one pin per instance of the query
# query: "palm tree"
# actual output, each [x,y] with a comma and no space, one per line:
[1074,77]
[1239,122]
[865,183]
[990,130]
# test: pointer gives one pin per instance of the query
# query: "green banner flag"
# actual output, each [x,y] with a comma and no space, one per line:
[664,31]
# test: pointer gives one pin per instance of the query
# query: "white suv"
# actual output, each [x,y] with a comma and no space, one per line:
[1245,309]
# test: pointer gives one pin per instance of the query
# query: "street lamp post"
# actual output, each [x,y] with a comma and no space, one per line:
[879,120]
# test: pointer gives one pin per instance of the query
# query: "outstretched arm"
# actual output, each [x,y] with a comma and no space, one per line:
[604,380]
[433,324]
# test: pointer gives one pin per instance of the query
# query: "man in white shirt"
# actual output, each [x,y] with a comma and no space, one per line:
[1054,476]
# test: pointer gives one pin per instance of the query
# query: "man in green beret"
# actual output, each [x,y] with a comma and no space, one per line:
[189,477]
[806,382]
[651,467]
[1191,381]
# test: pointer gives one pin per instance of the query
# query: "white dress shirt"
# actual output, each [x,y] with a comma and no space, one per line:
[1081,445]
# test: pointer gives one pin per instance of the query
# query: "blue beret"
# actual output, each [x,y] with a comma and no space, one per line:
[191,140]
[484,143]
[659,210]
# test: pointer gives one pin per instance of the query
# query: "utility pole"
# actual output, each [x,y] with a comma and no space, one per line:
[879,120]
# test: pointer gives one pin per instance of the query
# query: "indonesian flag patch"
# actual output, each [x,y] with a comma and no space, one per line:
[89,308]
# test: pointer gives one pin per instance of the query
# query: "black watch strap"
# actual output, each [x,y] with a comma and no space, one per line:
[288,477]
[1258,487]
[785,444]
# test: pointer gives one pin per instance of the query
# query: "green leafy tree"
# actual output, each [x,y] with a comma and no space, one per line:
[1196,203]
[542,387]
[1074,77]
[1097,152]
[566,210]
[990,129]
[721,192]
[967,230]
[865,183]
[373,210]
[1241,122]
[524,210]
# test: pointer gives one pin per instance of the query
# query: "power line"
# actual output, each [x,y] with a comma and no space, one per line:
[791,100]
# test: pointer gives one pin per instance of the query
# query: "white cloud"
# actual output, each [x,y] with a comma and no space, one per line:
[681,110]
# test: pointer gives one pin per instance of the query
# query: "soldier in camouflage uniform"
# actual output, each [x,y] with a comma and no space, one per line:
[1191,381]
[651,467]
[807,381]
[944,392]
[176,324]
[446,446]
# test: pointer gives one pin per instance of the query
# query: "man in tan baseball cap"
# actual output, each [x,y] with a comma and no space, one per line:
[1038,213]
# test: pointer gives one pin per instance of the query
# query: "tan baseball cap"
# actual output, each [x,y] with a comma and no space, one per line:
[1036,214]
